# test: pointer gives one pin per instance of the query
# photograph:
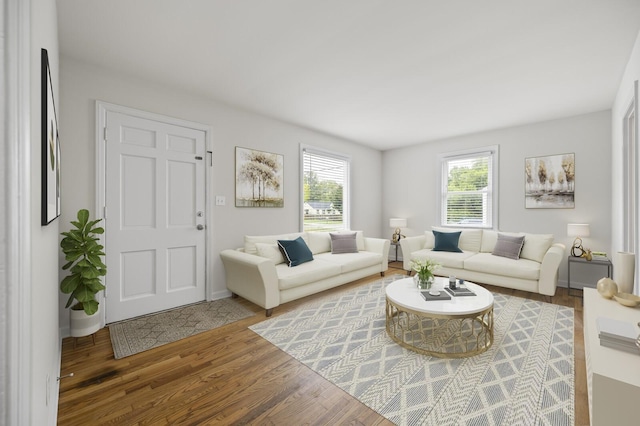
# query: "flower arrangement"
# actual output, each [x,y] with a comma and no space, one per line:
[425,268]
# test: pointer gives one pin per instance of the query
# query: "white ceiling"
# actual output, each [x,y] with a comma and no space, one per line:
[379,72]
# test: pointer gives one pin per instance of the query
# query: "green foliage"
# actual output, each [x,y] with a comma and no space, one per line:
[82,253]
[322,190]
[471,178]
[463,202]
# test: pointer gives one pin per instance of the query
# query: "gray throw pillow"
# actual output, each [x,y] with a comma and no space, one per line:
[508,246]
[344,242]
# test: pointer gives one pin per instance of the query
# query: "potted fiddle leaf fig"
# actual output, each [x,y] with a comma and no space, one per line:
[83,253]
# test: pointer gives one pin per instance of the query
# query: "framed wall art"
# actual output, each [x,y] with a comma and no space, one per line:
[50,147]
[550,182]
[259,178]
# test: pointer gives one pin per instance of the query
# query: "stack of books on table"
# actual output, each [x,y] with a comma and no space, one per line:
[459,291]
[616,334]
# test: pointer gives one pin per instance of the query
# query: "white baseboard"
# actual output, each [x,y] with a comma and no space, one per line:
[222,294]
[55,392]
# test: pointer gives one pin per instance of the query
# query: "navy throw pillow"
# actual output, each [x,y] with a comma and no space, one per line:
[446,241]
[295,251]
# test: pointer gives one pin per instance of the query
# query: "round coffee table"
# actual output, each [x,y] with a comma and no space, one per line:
[456,328]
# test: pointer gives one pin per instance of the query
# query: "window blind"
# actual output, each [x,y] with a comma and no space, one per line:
[467,190]
[324,191]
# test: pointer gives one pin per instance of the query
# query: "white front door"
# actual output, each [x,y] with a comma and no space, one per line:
[155,216]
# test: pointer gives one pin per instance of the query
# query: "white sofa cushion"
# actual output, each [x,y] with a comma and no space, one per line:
[319,242]
[496,265]
[352,261]
[470,239]
[489,240]
[250,241]
[445,258]
[270,251]
[536,246]
[305,273]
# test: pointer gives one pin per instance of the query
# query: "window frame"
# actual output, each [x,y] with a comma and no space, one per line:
[443,159]
[630,130]
[346,188]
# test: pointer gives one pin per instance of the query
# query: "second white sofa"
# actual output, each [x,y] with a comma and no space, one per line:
[535,269]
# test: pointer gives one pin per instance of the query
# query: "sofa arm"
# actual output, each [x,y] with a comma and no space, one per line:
[378,245]
[408,246]
[549,269]
[252,277]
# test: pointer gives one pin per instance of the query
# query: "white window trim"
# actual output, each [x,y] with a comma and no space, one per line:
[630,171]
[346,214]
[494,150]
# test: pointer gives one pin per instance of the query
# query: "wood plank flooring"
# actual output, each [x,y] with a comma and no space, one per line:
[229,375]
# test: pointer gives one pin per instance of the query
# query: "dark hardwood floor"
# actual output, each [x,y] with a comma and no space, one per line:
[229,375]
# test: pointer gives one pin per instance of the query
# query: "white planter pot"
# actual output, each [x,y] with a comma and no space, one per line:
[82,324]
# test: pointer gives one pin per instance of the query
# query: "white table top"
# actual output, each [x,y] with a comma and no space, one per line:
[404,293]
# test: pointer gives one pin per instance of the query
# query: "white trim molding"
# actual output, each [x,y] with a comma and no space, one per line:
[15,389]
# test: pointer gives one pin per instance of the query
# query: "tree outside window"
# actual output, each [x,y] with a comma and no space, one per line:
[324,191]
[468,193]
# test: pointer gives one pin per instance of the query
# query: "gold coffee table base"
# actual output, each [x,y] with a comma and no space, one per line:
[443,336]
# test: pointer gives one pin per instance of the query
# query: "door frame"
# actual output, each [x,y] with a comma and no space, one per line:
[102,108]
[16,289]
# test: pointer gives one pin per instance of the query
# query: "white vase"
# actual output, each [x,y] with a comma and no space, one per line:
[82,324]
[625,269]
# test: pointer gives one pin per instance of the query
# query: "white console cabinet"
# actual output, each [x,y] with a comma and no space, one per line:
[613,376]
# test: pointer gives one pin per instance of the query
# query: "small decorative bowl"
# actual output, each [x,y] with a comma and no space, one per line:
[626,299]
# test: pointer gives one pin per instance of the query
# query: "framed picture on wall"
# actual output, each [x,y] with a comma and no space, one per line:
[50,151]
[550,182]
[259,178]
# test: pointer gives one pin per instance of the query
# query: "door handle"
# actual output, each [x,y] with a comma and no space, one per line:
[200,227]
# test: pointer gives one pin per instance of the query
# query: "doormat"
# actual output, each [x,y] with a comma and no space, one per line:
[139,334]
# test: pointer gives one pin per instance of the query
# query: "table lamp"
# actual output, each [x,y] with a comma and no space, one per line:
[577,230]
[397,223]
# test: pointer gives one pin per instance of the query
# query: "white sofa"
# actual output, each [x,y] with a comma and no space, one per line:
[257,271]
[536,270]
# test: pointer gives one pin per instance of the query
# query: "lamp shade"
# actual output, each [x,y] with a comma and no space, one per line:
[396,222]
[578,230]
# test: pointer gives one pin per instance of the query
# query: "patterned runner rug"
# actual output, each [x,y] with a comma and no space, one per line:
[525,378]
[150,331]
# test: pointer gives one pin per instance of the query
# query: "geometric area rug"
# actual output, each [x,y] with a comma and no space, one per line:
[139,334]
[525,378]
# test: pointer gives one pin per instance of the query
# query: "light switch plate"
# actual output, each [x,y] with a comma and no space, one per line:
[220,200]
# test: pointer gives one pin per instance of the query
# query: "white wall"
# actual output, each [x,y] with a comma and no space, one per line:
[82,84]
[45,340]
[410,179]
[620,106]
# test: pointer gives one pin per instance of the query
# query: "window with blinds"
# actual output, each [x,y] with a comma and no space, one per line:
[469,195]
[325,190]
